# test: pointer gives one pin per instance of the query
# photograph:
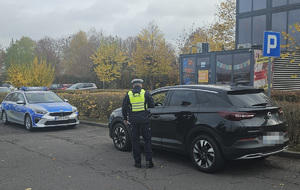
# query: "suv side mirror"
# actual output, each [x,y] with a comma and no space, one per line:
[158,104]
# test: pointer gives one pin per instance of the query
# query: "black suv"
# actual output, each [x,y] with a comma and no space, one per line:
[211,123]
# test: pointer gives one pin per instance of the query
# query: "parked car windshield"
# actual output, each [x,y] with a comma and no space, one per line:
[42,97]
[246,99]
[4,89]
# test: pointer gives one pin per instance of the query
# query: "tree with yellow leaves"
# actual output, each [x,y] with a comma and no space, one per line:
[222,31]
[108,60]
[220,35]
[41,73]
[293,44]
[19,75]
[34,74]
[153,55]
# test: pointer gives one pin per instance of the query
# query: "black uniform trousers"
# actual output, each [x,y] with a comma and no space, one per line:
[136,129]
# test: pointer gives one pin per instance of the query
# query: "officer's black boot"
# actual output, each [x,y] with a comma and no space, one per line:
[149,164]
[137,165]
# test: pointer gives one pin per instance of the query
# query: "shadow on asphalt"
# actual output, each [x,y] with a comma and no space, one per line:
[232,167]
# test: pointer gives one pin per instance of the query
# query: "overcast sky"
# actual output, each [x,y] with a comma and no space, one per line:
[61,18]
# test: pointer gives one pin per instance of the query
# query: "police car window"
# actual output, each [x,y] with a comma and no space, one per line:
[183,98]
[13,98]
[9,97]
[160,98]
[20,97]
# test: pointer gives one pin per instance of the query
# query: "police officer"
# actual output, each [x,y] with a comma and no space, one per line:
[135,113]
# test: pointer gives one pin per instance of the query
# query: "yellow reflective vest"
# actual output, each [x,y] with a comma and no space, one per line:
[137,101]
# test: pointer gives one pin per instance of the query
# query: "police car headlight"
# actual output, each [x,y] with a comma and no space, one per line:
[39,111]
[74,109]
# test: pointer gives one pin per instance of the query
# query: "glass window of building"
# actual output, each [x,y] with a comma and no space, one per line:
[259,4]
[241,67]
[245,6]
[224,69]
[277,3]
[279,24]
[244,35]
[203,67]
[259,26]
[294,18]
[294,1]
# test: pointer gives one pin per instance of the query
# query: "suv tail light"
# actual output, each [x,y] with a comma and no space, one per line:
[236,116]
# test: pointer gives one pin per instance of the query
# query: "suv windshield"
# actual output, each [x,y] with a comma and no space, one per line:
[249,99]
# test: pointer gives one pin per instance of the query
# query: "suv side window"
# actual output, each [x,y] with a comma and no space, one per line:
[183,98]
[160,98]
[202,97]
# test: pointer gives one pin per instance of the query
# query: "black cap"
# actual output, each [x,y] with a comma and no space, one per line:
[137,81]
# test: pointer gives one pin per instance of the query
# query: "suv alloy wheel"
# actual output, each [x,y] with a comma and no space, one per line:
[206,154]
[121,137]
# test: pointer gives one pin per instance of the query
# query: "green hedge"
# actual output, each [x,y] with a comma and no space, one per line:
[292,113]
[289,96]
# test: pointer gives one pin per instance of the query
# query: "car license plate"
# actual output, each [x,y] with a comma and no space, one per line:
[62,118]
[273,138]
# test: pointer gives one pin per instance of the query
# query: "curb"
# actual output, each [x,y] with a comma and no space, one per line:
[94,123]
[288,154]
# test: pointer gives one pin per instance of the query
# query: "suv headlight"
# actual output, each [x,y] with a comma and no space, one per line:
[40,111]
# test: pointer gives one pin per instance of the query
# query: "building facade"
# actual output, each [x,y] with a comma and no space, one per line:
[246,63]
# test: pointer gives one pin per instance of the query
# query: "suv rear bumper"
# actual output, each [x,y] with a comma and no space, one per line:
[255,148]
[260,154]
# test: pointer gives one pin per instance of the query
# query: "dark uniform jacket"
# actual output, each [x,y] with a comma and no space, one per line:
[140,116]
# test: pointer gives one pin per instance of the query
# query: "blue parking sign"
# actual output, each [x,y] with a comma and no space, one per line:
[271,46]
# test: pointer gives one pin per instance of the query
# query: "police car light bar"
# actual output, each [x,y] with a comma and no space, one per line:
[34,88]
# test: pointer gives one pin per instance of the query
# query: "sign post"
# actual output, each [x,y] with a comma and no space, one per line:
[271,48]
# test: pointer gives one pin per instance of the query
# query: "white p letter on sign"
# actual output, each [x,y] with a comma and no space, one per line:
[270,45]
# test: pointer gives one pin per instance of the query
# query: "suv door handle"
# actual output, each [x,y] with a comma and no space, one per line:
[188,116]
[155,116]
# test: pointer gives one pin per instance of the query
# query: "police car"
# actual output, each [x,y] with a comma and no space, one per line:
[36,107]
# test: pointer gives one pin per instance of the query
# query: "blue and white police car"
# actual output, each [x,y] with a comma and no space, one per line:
[35,107]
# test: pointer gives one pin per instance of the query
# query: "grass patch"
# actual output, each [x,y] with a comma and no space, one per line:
[294,147]
[103,121]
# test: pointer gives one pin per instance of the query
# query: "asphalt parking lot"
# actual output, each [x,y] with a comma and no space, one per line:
[85,158]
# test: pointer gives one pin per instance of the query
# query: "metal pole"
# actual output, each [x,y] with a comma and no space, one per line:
[269,77]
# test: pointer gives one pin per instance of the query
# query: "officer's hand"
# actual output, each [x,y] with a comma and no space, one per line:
[126,122]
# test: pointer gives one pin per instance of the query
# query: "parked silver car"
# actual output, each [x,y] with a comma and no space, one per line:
[82,86]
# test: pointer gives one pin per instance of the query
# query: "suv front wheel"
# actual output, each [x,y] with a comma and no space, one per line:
[121,137]
[206,154]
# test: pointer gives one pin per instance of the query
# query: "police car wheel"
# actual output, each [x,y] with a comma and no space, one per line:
[121,137]
[28,122]
[206,154]
[4,118]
